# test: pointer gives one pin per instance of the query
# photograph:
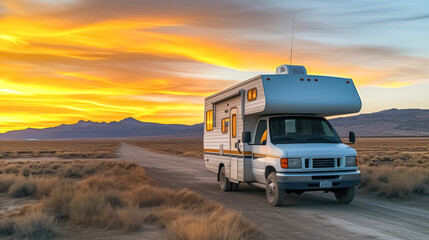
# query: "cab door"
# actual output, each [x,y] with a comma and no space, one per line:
[259,151]
[233,140]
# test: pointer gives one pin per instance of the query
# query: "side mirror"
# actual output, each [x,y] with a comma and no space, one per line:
[352,137]
[247,137]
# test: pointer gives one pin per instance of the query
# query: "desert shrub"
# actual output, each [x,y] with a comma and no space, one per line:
[12,168]
[130,218]
[188,199]
[5,182]
[22,187]
[25,172]
[58,202]
[7,227]
[395,181]
[147,196]
[404,181]
[45,185]
[89,207]
[35,225]
[220,224]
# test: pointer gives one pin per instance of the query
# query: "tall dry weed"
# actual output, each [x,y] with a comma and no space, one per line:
[89,207]
[35,225]
[395,181]
[6,181]
[58,202]
[131,218]
[7,227]
[22,187]
[217,225]
[44,185]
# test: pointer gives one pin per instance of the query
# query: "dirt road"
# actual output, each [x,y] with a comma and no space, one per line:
[307,216]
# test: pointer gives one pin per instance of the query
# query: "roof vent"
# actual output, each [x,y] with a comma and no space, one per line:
[291,69]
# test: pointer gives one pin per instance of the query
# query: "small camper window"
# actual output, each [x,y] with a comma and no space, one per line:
[209,120]
[251,94]
[234,126]
[225,123]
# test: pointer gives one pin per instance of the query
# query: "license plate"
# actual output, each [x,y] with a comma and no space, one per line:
[325,184]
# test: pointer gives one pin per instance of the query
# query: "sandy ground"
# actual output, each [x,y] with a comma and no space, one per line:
[313,215]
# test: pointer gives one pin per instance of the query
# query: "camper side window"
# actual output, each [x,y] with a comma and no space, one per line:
[251,94]
[209,120]
[261,133]
[225,123]
[234,126]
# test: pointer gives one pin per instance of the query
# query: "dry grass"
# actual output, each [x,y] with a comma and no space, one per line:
[183,146]
[34,225]
[112,195]
[409,152]
[395,181]
[59,149]
[219,225]
[394,167]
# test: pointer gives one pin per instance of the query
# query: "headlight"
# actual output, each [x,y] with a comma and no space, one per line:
[351,161]
[294,163]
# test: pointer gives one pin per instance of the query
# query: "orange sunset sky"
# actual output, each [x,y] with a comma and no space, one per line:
[104,60]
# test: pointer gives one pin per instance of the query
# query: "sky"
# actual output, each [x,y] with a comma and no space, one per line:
[62,61]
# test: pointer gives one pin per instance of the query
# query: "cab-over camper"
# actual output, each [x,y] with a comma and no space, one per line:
[270,131]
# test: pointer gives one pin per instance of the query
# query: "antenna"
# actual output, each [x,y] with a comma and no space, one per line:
[291,42]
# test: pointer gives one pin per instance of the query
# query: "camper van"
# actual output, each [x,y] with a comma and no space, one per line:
[271,131]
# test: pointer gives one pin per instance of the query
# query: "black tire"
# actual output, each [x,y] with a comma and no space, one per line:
[224,182]
[275,195]
[235,186]
[345,195]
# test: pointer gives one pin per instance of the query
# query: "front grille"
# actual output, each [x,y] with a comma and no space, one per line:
[323,162]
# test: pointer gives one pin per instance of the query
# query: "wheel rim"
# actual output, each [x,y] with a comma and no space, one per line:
[222,178]
[271,190]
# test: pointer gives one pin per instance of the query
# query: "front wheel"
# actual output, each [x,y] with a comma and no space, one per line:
[345,195]
[224,182]
[275,195]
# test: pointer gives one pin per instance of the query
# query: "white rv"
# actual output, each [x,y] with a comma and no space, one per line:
[270,131]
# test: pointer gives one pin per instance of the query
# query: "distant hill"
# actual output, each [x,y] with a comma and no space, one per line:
[387,123]
[128,127]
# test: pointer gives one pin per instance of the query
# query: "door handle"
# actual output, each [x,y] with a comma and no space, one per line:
[237,145]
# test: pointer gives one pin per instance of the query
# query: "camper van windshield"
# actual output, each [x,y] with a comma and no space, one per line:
[302,130]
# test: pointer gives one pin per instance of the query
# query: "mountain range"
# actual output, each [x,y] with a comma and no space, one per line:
[128,127]
[387,123]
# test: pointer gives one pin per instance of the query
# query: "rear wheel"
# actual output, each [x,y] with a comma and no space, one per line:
[275,195]
[345,195]
[224,182]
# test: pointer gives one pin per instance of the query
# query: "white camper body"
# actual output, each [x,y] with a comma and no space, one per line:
[270,131]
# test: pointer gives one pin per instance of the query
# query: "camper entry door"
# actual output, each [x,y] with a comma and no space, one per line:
[233,145]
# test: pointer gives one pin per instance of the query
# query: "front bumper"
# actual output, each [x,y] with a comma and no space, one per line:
[311,181]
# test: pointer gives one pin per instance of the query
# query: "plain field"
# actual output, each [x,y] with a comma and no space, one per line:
[391,167]
[387,164]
